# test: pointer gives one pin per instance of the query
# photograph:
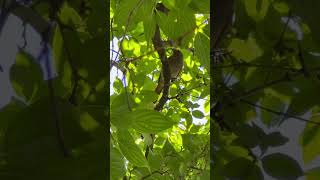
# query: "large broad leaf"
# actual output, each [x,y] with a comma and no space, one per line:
[85,164]
[120,110]
[26,77]
[7,114]
[130,12]
[193,142]
[149,24]
[246,50]
[310,140]
[306,96]
[274,139]
[202,50]
[32,138]
[33,133]
[202,6]
[145,9]
[149,121]
[281,166]
[178,23]
[93,61]
[242,168]
[248,136]
[271,102]
[175,4]
[130,149]
[231,152]
[122,13]
[253,12]
[69,16]
[117,169]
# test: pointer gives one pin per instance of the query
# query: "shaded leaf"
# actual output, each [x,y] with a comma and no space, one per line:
[280,166]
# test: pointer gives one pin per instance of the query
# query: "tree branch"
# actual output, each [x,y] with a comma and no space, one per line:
[159,46]
[255,66]
[278,112]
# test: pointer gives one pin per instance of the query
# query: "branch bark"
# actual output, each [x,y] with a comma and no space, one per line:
[159,46]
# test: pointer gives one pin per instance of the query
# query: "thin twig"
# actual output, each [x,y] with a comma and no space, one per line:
[54,106]
[154,172]
[302,61]
[251,65]
[284,28]
[278,112]
[259,88]
[112,44]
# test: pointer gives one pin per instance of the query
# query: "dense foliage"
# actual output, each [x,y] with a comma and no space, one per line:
[58,129]
[146,32]
[266,69]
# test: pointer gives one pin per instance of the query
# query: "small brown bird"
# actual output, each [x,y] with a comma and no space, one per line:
[175,66]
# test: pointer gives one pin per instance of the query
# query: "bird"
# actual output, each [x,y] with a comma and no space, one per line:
[175,66]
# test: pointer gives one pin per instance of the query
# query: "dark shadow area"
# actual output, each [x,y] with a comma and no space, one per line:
[54,100]
[264,90]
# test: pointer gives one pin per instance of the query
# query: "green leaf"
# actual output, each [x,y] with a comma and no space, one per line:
[33,134]
[310,140]
[202,50]
[305,98]
[271,102]
[69,16]
[246,50]
[274,139]
[177,23]
[253,12]
[155,160]
[26,77]
[92,59]
[281,166]
[117,85]
[117,169]
[123,11]
[145,10]
[193,142]
[197,114]
[242,168]
[149,121]
[168,148]
[149,25]
[201,6]
[248,136]
[130,149]
[58,50]
[181,3]
[120,119]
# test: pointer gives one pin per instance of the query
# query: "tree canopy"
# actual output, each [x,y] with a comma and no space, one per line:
[147,33]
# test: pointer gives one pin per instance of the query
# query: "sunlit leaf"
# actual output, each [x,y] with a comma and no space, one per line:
[130,150]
